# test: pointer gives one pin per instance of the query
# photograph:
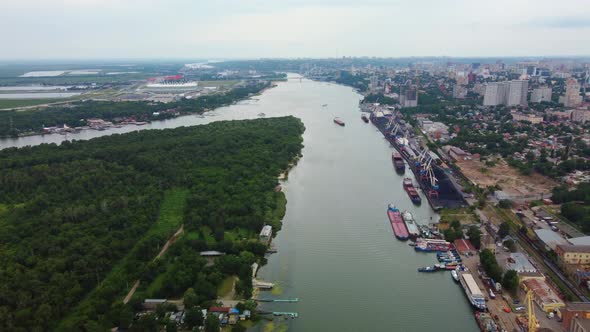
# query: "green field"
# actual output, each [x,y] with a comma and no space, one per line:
[6,104]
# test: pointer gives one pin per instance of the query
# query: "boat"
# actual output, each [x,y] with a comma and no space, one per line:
[398,162]
[397,224]
[413,230]
[474,294]
[324,105]
[455,275]
[261,115]
[412,192]
[365,118]
[486,322]
[427,269]
[339,122]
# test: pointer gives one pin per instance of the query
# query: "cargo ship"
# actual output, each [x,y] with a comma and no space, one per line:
[474,294]
[486,322]
[433,245]
[398,162]
[365,118]
[339,122]
[413,230]
[412,192]
[397,224]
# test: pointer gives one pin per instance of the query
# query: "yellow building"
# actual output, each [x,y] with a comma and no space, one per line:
[568,254]
[543,295]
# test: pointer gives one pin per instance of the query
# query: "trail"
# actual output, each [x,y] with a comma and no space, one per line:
[170,241]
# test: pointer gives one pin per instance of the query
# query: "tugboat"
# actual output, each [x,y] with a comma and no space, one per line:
[365,118]
[398,163]
[412,192]
[339,122]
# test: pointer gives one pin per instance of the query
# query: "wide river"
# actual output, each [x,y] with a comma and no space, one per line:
[336,251]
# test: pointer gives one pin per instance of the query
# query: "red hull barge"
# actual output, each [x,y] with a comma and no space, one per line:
[397,223]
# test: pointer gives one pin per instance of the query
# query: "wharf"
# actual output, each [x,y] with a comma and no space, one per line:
[449,196]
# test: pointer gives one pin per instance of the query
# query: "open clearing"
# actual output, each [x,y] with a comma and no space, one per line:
[508,178]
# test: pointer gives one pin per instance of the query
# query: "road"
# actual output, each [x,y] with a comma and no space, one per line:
[170,241]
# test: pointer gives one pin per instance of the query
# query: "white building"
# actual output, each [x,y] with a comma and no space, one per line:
[581,116]
[572,97]
[508,93]
[541,94]
[266,234]
[517,93]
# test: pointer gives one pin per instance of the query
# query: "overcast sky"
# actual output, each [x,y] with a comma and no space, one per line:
[33,29]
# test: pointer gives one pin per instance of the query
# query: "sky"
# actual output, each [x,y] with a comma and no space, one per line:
[91,29]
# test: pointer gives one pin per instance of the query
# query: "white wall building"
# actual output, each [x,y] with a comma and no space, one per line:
[541,94]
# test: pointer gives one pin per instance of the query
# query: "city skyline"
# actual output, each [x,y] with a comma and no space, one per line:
[89,29]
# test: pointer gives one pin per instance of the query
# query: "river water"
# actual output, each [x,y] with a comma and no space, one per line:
[336,251]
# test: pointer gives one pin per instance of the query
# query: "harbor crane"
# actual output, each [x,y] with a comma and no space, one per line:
[532,319]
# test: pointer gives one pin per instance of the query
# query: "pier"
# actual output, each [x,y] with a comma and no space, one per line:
[278,300]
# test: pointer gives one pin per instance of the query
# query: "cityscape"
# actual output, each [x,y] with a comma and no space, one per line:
[295,166]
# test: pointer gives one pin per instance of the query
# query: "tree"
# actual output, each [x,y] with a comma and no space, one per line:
[510,281]
[190,298]
[171,327]
[194,317]
[212,323]
[504,229]
[510,245]
[238,328]
[505,203]
[146,323]
[474,236]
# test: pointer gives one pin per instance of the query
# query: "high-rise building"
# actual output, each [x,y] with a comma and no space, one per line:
[459,91]
[517,93]
[495,94]
[572,96]
[581,116]
[509,93]
[408,96]
[541,94]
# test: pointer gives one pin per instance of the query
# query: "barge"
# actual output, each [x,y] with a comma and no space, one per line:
[472,291]
[411,191]
[413,230]
[397,224]
[398,162]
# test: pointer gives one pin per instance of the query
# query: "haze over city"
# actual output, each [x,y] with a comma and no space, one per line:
[76,29]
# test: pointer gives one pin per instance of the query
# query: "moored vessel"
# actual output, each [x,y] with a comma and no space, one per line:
[397,224]
[413,230]
[398,162]
[474,294]
[455,275]
[411,190]
[365,118]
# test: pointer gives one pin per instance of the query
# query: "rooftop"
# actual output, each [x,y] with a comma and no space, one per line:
[574,248]
[521,263]
[550,238]
[580,241]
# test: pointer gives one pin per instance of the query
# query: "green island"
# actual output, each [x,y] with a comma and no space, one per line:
[85,222]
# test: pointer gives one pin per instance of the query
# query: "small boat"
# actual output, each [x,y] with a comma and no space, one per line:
[365,118]
[324,105]
[261,115]
[427,269]
[455,275]
[339,122]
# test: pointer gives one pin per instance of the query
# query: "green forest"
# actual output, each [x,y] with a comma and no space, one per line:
[80,222]
[14,123]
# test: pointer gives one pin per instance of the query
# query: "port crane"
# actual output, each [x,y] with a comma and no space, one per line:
[424,164]
[532,319]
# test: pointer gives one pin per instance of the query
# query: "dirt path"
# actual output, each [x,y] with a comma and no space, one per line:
[170,241]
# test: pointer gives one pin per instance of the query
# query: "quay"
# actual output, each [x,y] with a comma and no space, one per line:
[278,300]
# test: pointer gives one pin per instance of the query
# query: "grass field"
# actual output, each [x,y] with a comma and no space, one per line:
[14,103]
[226,286]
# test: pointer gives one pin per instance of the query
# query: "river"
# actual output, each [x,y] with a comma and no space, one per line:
[336,251]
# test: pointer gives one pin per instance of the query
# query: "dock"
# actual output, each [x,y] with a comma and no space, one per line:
[278,300]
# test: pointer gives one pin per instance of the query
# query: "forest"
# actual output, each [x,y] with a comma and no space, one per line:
[14,123]
[80,222]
